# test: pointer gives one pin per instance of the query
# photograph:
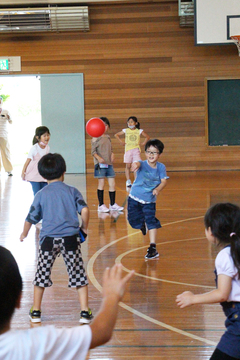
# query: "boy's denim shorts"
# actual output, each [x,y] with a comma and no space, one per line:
[104,172]
[138,214]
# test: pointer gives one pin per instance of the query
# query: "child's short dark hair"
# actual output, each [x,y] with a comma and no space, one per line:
[10,286]
[51,166]
[155,143]
[105,120]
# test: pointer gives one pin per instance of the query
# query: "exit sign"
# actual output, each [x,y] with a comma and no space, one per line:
[10,63]
[4,64]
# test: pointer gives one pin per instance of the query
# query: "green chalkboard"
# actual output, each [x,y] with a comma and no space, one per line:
[223,115]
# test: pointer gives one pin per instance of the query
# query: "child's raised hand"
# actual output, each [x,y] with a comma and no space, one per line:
[135,166]
[113,283]
[185,299]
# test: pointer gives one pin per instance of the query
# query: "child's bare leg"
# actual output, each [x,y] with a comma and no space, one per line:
[83,297]
[37,297]
[127,171]
[101,184]
[153,236]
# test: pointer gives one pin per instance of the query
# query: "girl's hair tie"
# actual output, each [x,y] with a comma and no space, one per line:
[233,233]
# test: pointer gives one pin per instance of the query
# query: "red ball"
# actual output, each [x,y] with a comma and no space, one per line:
[95,127]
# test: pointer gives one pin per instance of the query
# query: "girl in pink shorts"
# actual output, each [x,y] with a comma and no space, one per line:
[132,144]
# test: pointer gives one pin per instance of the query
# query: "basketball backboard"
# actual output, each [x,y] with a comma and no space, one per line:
[216,21]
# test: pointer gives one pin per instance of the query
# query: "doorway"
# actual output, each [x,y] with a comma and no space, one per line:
[53,100]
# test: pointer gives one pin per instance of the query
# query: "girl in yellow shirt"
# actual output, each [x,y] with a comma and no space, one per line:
[132,144]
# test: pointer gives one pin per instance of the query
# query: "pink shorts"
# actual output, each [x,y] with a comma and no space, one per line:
[132,155]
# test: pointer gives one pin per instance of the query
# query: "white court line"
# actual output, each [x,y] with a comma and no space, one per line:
[119,258]
[130,309]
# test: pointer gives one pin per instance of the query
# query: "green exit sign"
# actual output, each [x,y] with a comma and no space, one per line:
[4,64]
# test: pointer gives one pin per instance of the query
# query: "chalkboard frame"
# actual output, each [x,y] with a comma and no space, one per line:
[220,98]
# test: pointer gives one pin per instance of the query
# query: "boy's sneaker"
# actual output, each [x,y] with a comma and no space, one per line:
[86,317]
[103,208]
[152,253]
[115,207]
[128,183]
[35,315]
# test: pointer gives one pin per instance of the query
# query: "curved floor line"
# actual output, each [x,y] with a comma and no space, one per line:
[118,261]
[130,309]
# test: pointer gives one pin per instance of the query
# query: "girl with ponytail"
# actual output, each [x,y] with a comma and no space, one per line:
[222,228]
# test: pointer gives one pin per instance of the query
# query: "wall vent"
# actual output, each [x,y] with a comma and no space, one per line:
[52,18]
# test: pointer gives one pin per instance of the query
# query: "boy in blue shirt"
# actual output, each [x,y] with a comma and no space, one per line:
[57,206]
[150,180]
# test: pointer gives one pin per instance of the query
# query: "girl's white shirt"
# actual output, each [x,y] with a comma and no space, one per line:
[225,266]
[36,149]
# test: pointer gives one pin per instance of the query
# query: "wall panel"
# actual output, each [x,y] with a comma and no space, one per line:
[136,60]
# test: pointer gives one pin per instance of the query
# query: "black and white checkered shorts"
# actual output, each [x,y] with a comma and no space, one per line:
[70,248]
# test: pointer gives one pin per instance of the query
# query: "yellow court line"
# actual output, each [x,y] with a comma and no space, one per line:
[130,309]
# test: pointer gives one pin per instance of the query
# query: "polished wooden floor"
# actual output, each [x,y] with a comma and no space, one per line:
[149,326]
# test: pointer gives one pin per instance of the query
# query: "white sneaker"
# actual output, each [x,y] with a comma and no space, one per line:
[128,183]
[103,208]
[115,207]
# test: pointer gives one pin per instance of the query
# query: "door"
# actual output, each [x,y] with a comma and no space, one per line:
[62,107]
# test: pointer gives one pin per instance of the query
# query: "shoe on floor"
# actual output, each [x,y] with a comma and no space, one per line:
[115,207]
[128,183]
[103,208]
[86,317]
[9,173]
[35,315]
[152,253]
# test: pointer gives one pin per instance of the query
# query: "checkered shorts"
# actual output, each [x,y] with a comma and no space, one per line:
[70,248]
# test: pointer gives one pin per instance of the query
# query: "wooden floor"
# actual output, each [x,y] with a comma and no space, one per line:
[150,326]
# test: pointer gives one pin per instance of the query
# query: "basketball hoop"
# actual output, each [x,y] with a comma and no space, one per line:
[236,39]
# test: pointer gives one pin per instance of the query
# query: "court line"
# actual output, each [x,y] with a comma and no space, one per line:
[119,258]
[94,281]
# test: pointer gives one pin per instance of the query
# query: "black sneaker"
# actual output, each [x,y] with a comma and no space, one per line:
[35,315]
[143,229]
[151,253]
[86,317]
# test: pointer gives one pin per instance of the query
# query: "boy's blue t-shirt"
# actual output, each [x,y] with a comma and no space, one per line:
[57,205]
[147,180]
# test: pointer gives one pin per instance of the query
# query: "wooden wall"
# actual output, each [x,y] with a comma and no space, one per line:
[136,60]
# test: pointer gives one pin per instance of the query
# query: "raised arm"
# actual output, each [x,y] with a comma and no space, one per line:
[135,166]
[113,290]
